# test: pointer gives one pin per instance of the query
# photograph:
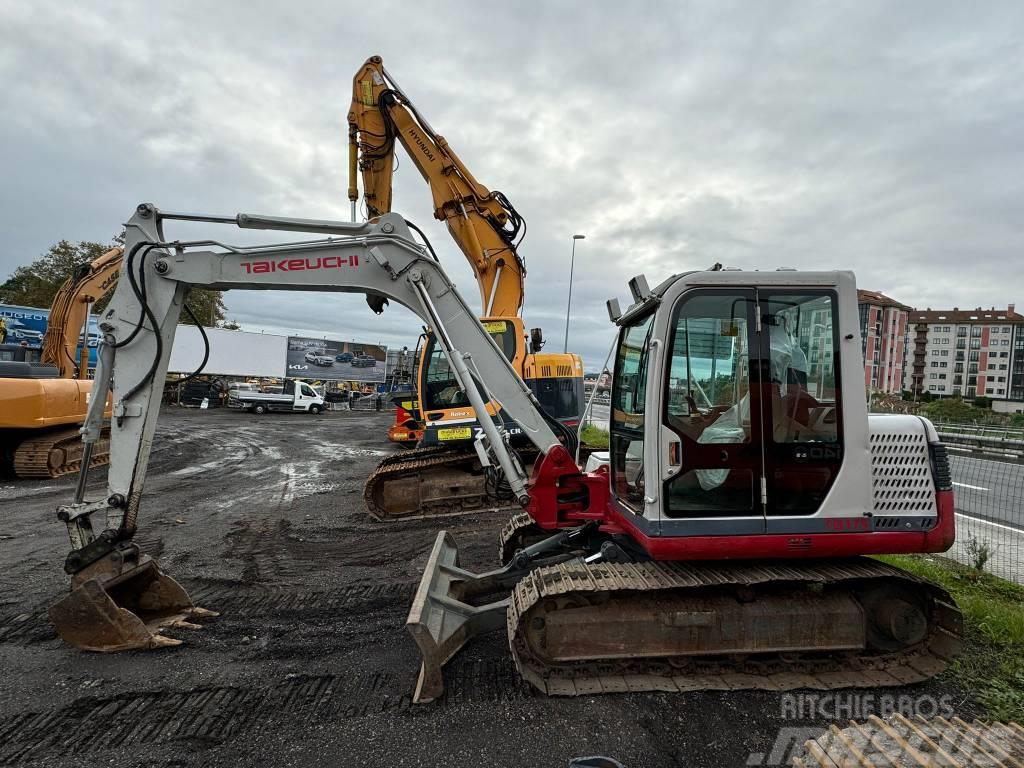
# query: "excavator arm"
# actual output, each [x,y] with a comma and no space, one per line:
[485,225]
[378,258]
[70,309]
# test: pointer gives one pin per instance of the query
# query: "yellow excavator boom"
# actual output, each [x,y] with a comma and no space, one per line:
[69,311]
[484,224]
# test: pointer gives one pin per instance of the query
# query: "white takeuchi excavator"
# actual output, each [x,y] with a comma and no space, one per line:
[721,546]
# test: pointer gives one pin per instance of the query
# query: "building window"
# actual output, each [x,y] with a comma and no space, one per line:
[989,392]
[976,332]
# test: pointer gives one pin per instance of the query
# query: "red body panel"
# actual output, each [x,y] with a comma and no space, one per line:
[562,497]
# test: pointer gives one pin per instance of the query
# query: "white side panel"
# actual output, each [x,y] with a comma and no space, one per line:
[232,353]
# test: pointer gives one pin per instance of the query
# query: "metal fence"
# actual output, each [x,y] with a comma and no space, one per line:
[988,488]
[989,492]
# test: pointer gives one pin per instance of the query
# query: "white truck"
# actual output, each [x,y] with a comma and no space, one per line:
[295,396]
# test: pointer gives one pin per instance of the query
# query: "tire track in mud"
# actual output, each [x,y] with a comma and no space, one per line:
[217,714]
[239,600]
[235,599]
[275,550]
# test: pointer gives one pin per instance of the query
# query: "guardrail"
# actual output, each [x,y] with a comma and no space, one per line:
[980,429]
[985,444]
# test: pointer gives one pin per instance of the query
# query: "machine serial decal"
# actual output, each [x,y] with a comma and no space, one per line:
[847,524]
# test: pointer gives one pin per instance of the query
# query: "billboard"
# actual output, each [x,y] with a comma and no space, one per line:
[330,360]
[28,325]
[232,353]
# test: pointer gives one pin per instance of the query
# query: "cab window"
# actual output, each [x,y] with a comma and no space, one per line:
[441,390]
[629,390]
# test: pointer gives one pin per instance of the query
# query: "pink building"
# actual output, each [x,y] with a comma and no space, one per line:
[883,333]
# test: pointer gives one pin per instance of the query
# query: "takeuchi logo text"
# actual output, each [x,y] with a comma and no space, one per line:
[299,265]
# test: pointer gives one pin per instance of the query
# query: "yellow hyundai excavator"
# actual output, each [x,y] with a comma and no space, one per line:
[42,404]
[444,475]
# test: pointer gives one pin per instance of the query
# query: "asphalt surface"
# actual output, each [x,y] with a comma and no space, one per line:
[262,519]
[988,490]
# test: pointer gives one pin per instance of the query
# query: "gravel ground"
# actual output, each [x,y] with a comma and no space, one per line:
[261,518]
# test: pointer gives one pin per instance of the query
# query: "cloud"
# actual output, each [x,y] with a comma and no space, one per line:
[874,136]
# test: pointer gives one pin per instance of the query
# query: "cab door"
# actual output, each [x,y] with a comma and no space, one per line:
[712,464]
[802,404]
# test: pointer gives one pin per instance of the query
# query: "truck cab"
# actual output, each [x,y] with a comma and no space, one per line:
[294,396]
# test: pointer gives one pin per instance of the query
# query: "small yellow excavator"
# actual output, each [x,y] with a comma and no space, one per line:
[42,404]
[444,475]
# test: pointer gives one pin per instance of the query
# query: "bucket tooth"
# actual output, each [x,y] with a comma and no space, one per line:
[126,611]
[441,621]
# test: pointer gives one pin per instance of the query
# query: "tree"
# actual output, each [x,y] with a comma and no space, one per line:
[35,284]
[207,306]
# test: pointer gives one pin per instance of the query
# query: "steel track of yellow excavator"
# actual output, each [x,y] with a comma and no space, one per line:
[428,482]
[57,452]
[579,628]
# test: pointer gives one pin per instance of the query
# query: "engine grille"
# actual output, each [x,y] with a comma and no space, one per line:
[901,477]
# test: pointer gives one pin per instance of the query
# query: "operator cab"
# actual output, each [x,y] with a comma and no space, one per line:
[555,379]
[739,388]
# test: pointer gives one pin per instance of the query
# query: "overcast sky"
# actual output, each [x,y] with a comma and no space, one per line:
[883,137]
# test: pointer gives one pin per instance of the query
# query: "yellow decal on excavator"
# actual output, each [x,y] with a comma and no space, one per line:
[496,326]
[367,93]
[455,433]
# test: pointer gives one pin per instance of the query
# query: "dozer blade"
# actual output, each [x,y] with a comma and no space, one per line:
[126,611]
[441,621]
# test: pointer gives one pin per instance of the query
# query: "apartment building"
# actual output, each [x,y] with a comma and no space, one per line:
[969,353]
[883,335]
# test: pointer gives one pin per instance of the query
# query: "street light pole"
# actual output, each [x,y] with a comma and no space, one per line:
[568,308]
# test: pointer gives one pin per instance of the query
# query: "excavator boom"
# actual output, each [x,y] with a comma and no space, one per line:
[483,223]
[42,405]
[70,309]
[119,598]
[443,476]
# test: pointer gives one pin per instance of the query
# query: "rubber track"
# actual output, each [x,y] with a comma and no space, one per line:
[512,535]
[714,673]
[897,740]
[414,461]
[32,456]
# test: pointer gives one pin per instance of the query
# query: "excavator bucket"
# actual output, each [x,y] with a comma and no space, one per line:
[124,612]
[442,619]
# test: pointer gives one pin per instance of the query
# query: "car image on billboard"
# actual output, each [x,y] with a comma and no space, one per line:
[332,360]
